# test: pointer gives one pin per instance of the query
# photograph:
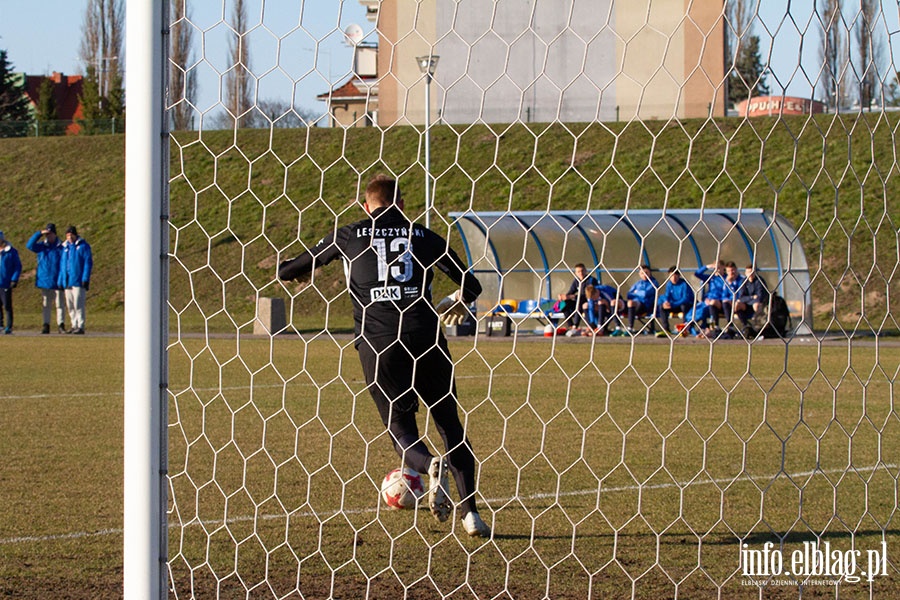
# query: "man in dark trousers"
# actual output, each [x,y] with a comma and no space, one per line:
[10,270]
[402,349]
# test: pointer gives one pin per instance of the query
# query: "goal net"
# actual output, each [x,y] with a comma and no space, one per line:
[737,444]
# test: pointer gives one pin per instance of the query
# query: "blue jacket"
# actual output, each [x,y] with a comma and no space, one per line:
[715,284]
[733,288]
[48,259]
[76,264]
[677,294]
[10,266]
[608,292]
[644,290]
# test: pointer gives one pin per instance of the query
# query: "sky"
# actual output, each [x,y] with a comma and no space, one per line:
[42,36]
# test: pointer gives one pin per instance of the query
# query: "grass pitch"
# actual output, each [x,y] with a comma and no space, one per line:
[608,469]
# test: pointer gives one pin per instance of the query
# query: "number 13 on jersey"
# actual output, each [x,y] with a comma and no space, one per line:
[400,267]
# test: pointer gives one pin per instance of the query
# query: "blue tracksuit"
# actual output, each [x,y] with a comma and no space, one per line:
[10,266]
[715,284]
[732,289]
[644,291]
[677,294]
[75,265]
[48,259]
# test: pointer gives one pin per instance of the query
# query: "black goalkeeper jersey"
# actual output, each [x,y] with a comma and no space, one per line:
[388,262]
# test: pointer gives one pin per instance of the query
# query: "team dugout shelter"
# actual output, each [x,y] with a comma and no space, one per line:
[530,256]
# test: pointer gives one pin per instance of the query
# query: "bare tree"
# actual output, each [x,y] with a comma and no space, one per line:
[738,20]
[182,80]
[279,114]
[868,51]
[833,54]
[237,79]
[102,53]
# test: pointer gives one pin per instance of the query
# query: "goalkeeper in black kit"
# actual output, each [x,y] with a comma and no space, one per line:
[389,263]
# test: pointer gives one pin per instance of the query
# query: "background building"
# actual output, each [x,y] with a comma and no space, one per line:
[572,60]
[355,102]
[67,94]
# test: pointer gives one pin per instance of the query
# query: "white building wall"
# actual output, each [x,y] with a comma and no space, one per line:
[526,60]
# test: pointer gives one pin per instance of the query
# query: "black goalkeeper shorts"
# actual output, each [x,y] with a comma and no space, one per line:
[399,372]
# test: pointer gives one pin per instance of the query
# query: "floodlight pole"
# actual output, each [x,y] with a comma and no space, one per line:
[145,546]
[427,65]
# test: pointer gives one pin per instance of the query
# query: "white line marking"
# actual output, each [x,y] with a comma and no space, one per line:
[490,501]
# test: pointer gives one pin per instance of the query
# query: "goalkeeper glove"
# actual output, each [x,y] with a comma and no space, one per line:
[451,310]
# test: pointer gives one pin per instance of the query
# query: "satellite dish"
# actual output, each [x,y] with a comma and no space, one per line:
[353,35]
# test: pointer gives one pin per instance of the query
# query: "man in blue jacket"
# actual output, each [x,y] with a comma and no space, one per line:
[678,298]
[75,276]
[715,292]
[49,253]
[10,269]
[641,298]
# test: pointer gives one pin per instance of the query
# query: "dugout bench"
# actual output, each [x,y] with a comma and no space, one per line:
[510,314]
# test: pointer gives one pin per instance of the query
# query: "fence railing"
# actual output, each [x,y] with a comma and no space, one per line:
[48,128]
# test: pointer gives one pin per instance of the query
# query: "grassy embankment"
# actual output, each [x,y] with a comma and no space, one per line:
[237,201]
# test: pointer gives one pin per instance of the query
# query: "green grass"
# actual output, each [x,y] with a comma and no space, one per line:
[605,466]
[238,202]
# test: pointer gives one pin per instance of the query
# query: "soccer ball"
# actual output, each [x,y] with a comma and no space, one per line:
[401,488]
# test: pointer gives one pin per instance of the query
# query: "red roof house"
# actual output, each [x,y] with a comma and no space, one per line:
[66,90]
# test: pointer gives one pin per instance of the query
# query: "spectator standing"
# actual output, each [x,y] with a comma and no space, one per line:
[49,253]
[75,268]
[10,269]
[677,298]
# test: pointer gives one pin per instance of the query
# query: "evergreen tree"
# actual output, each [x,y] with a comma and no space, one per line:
[45,111]
[748,78]
[115,104]
[15,109]
[91,109]
[892,91]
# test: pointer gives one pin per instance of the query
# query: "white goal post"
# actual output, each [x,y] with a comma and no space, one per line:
[146,293]
[638,143]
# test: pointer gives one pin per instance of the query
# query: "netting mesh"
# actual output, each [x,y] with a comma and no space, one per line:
[679,465]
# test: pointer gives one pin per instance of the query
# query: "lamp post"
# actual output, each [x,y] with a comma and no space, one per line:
[427,65]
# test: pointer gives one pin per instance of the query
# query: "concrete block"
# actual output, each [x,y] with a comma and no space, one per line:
[270,316]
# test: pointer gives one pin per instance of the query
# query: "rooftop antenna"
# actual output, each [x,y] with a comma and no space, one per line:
[353,36]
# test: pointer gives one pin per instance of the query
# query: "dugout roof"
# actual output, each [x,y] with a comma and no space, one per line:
[531,255]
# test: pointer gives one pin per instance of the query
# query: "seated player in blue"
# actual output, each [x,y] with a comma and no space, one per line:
[733,284]
[641,298]
[696,320]
[678,297]
[600,302]
[712,278]
[572,301]
[590,309]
